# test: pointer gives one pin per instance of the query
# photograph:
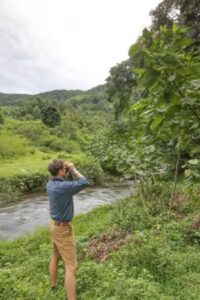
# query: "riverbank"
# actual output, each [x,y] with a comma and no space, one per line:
[29,173]
[24,216]
[122,253]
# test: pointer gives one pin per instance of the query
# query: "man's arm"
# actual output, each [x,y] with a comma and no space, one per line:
[75,173]
[79,182]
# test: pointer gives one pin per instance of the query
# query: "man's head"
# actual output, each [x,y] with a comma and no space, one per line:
[57,167]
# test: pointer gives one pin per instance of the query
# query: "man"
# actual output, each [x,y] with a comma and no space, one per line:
[60,194]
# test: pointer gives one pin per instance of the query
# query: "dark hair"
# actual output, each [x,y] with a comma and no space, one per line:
[55,166]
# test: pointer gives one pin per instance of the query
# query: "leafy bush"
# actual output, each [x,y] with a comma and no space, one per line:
[12,187]
[12,145]
[50,115]
[129,215]
[32,130]
[87,164]
[1,117]
[59,144]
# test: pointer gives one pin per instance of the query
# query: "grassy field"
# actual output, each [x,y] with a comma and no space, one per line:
[121,254]
[28,144]
[23,165]
[37,162]
[29,173]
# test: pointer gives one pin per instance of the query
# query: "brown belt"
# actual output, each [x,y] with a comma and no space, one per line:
[63,223]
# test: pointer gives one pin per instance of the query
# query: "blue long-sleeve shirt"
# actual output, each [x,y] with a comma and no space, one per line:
[60,194]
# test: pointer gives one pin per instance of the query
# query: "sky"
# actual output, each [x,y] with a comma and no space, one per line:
[66,44]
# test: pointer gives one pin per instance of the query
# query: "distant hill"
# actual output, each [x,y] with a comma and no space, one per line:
[60,95]
[94,99]
[55,95]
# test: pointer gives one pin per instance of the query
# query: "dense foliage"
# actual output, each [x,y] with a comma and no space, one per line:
[158,121]
[183,12]
[36,130]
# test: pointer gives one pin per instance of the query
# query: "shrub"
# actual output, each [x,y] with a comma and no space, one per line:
[12,145]
[32,130]
[87,164]
[129,215]
[12,187]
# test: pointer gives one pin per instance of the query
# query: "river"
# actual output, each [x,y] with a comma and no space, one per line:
[32,211]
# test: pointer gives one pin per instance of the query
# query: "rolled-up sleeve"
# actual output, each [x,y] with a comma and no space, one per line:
[75,186]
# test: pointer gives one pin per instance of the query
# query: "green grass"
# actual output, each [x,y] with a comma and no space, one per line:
[28,258]
[157,261]
[29,173]
[31,163]
[23,174]
[38,163]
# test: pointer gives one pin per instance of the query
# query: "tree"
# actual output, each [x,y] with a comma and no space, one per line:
[190,17]
[165,14]
[1,117]
[183,12]
[171,79]
[50,116]
[120,85]
[164,135]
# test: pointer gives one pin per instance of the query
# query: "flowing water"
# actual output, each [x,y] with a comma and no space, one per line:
[32,211]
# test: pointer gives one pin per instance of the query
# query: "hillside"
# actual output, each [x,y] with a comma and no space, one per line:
[28,143]
[55,95]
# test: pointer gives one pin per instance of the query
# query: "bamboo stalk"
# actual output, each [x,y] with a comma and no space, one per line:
[174,184]
[143,202]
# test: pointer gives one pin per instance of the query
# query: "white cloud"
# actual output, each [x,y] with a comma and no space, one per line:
[65,44]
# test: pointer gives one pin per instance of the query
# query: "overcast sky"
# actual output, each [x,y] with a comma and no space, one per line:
[66,44]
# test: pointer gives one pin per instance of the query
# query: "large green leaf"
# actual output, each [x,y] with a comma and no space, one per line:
[157,122]
[134,49]
[170,112]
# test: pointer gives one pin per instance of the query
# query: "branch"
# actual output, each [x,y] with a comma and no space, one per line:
[174,185]
[188,105]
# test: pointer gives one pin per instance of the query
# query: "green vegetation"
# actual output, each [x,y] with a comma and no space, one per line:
[156,132]
[184,12]
[121,254]
[142,247]
[29,173]
[36,129]
[7,99]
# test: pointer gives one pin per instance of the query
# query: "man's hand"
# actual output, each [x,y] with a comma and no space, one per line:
[69,166]
[72,170]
